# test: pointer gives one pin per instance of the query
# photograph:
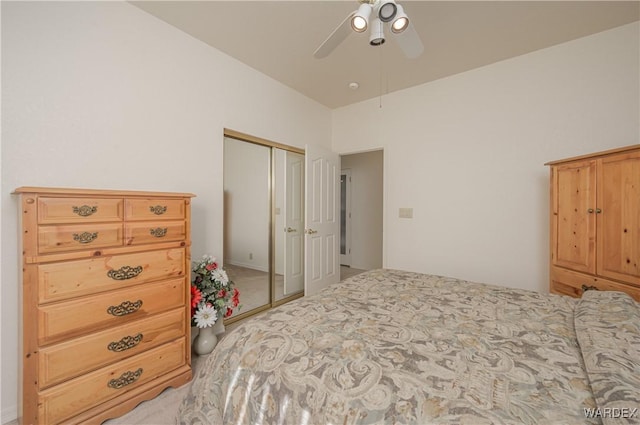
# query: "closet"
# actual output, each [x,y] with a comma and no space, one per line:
[595,223]
[263,221]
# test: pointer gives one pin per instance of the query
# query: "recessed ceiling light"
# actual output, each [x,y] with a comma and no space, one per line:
[354,86]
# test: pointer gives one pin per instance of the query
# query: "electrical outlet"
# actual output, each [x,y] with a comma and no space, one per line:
[406,213]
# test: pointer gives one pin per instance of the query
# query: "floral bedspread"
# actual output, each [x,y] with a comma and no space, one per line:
[394,347]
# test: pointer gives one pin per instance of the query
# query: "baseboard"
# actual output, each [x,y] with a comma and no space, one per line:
[248,266]
[8,414]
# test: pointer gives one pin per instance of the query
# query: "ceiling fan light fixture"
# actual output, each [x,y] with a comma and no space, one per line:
[371,16]
[387,10]
[360,20]
[401,21]
[376,38]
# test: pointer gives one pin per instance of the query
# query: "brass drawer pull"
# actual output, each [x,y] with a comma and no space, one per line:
[125,343]
[158,209]
[85,237]
[125,379]
[124,308]
[85,210]
[124,273]
[158,232]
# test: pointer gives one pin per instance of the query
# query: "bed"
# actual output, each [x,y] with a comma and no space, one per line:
[395,347]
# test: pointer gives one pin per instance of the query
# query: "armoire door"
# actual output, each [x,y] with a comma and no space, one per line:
[573,243]
[619,218]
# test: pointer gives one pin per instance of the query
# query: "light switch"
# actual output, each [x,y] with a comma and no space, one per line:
[406,213]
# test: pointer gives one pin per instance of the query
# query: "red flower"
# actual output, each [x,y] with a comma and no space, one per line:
[196,296]
[222,293]
[229,312]
[236,293]
[211,266]
[235,301]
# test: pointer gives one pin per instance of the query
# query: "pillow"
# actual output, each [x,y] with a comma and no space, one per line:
[607,326]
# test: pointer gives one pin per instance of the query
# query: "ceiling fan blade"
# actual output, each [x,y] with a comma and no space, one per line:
[410,43]
[337,36]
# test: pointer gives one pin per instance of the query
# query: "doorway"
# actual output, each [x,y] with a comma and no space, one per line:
[345,218]
[361,212]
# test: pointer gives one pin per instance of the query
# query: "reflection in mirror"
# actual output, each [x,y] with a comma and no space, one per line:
[247,221]
[289,223]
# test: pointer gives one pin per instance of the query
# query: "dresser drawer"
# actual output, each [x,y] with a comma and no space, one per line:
[79,210]
[78,236]
[59,281]
[61,320]
[72,358]
[138,233]
[154,209]
[569,282]
[70,398]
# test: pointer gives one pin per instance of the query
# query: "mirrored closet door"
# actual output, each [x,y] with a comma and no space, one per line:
[289,223]
[263,221]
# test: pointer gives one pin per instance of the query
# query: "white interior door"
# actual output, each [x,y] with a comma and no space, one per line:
[322,218]
[294,223]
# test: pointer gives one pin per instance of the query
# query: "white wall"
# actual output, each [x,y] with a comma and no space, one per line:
[366,208]
[103,95]
[467,153]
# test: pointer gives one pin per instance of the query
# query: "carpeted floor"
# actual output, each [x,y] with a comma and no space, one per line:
[253,286]
[346,272]
[162,409]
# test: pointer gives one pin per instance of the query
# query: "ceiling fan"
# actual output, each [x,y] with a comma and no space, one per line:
[375,14]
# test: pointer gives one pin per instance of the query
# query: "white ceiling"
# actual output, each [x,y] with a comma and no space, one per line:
[278,38]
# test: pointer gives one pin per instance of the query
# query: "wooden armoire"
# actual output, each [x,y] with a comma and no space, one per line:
[105,301]
[595,223]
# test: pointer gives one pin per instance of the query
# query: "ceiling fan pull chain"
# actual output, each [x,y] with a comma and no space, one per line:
[380,105]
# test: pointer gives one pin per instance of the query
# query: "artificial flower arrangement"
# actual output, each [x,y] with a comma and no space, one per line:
[212,293]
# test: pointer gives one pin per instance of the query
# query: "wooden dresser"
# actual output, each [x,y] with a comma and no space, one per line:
[105,301]
[595,223]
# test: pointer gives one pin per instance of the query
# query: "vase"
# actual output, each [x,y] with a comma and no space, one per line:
[218,327]
[205,341]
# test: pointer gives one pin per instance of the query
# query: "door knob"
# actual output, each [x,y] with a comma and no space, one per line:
[590,210]
[310,231]
[289,230]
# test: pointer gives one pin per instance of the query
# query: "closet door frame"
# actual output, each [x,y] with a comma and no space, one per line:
[233,134]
